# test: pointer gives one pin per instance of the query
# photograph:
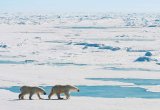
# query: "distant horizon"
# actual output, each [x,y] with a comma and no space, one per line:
[75,13]
[75,6]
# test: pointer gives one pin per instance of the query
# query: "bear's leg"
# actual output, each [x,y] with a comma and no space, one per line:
[20,95]
[30,96]
[67,95]
[58,95]
[39,96]
[49,96]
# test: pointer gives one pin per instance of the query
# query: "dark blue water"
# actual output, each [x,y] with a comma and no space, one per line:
[129,80]
[99,46]
[104,91]
[130,69]
[82,27]
[16,62]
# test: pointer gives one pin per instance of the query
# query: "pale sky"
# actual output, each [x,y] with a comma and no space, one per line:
[80,5]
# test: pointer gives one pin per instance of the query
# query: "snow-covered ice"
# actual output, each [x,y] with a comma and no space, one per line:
[114,59]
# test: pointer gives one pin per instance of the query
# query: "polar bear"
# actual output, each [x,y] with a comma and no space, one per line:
[66,89]
[31,91]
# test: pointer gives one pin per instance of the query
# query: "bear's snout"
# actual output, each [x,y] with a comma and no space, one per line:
[44,93]
[78,90]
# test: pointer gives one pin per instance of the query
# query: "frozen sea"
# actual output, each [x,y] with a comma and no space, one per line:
[106,55]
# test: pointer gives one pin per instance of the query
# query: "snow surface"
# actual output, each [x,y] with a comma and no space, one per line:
[49,49]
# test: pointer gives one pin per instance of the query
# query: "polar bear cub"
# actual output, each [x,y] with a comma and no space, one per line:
[31,91]
[59,89]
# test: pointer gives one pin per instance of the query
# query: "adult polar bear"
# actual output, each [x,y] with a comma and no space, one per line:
[31,91]
[59,89]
